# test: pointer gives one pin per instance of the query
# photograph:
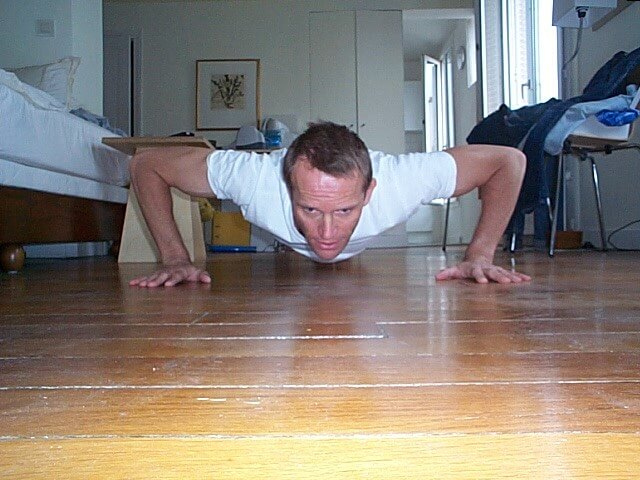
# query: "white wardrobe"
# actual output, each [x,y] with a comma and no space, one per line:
[357,76]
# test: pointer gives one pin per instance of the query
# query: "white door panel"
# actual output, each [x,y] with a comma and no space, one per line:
[380,76]
[332,67]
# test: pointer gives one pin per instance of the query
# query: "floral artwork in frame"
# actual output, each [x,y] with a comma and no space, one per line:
[227,94]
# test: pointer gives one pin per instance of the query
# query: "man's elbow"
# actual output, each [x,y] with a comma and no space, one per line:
[140,166]
[514,163]
[517,162]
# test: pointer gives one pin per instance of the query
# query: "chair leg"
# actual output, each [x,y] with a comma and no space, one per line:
[446,226]
[512,242]
[554,217]
[596,188]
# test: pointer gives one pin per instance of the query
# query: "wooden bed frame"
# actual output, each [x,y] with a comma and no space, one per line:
[28,216]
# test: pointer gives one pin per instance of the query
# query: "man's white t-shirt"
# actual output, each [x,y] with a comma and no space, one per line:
[255,183]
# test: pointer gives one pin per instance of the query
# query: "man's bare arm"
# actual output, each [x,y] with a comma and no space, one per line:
[497,172]
[153,172]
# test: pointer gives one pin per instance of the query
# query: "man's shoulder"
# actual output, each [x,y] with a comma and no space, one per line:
[378,155]
[237,175]
[232,155]
[386,163]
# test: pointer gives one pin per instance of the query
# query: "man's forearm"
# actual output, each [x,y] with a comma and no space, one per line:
[498,196]
[154,197]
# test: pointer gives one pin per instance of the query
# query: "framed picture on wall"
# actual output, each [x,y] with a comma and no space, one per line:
[227,94]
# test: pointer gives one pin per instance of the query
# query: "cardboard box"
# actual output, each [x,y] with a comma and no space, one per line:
[230,228]
[568,239]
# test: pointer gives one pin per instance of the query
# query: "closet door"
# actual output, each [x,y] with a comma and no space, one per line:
[333,67]
[380,79]
[357,74]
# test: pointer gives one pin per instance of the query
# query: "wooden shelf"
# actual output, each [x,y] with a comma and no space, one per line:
[129,145]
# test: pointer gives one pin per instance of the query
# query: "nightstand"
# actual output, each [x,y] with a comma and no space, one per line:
[137,244]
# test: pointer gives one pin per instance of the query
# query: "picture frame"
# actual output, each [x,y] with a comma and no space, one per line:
[227,93]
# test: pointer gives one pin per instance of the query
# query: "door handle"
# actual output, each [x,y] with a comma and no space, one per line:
[522,87]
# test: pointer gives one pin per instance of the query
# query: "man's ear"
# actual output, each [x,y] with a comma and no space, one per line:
[367,194]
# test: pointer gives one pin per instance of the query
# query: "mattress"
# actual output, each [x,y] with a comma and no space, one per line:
[14,174]
[41,136]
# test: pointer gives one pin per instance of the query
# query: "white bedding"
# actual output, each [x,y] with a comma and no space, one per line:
[43,147]
[22,176]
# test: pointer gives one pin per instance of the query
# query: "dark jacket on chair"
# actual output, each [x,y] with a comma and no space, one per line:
[510,127]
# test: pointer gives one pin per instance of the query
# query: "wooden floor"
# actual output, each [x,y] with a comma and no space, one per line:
[282,368]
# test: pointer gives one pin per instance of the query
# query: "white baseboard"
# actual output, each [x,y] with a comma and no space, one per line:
[67,250]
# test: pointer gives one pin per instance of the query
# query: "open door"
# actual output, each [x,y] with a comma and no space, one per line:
[432,91]
[121,79]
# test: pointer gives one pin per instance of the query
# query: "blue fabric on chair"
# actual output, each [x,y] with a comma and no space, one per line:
[617,118]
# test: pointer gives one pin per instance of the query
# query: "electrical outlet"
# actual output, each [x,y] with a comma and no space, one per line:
[45,28]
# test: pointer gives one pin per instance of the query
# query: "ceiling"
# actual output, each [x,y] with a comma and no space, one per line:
[427,31]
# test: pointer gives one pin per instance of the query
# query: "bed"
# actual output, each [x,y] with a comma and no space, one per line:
[58,181]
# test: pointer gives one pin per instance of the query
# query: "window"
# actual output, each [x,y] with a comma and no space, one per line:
[514,35]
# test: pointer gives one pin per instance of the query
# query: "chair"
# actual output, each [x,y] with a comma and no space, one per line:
[511,247]
[589,139]
[528,129]
[446,226]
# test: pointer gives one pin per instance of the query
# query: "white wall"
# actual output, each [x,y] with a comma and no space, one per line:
[86,43]
[465,104]
[619,171]
[175,35]
[78,32]
[465,212]
[20,45]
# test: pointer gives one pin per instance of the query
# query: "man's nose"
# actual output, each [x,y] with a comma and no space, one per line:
[326,228]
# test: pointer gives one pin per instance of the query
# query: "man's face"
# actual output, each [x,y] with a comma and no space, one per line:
[326,209]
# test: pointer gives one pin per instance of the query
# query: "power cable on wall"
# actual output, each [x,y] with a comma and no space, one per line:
[617,230]
[582,13]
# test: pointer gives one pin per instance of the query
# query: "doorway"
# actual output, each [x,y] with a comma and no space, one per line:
[433,104]
[447,98]
[122,81]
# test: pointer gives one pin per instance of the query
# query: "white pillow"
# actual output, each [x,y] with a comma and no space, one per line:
[33,95]
[56,78]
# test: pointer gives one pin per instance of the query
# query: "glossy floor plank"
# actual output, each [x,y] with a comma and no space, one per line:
[311,371]
[286,369]
[346,346]
[531,456]
[438,409]
[272,327]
